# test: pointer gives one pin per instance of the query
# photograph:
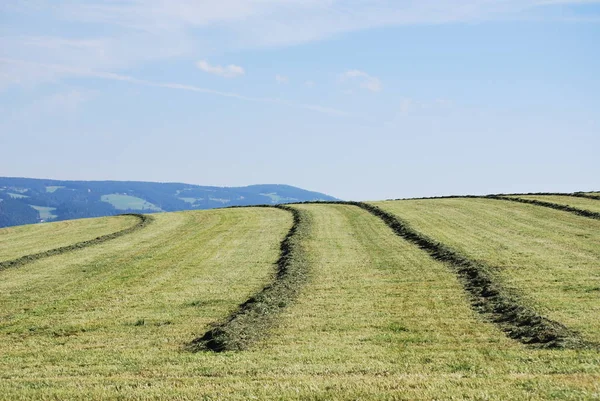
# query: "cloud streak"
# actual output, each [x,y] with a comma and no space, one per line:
[137,32]
[88,73]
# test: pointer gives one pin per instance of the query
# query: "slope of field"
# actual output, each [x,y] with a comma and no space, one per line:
[378,318]
[24,240]
[592,205]
[549,258]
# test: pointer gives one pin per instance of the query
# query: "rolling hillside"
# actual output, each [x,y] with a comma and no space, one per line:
[452,298]
[29,201]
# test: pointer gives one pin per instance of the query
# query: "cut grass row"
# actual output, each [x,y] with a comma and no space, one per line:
[590,204]
[558,206]
[579,203]
[142,221]
[378,318]
[257,315]
[546,258]
[19,241]
[487,294]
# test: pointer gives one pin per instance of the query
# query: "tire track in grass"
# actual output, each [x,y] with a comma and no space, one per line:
[557,206]
[489,298]
[253,319]
[144,220]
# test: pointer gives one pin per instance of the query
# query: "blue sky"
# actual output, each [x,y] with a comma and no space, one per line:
[359,99]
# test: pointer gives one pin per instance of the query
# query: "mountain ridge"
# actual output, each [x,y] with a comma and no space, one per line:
[33,200]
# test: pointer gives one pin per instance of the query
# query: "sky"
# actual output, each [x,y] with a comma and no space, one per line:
[360,99]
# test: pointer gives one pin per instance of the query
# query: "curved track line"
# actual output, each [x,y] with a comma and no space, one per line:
[515,198]
[252,320]
[487,295]
[557,206]
[144,220]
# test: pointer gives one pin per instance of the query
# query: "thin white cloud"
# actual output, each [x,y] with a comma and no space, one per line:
[61,69]
[230,71]
[366,81]
[137,32]
[281,79]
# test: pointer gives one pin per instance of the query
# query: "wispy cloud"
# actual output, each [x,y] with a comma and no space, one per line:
[365,80]
[135,32]
[230,71]
[281,79]
[88,73]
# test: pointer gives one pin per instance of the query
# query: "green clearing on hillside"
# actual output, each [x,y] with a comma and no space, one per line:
[17,196]
[191,201]
[25,240]
[53,188]
[549,258]
[127,202]
[45,212]
[378,319]
[278,199]
[580,203]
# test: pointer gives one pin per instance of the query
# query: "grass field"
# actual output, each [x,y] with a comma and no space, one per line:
[377,317]
[127,202]
[548,257]
[25,240]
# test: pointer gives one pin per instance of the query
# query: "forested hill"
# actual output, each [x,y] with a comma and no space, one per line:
[28,200]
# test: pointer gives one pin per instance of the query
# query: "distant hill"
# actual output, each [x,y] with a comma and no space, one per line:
[29,200]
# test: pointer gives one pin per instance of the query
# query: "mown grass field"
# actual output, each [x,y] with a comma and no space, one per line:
[24,240]
[376,318]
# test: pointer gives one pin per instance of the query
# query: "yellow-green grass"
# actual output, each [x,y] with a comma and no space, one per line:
[594,194]
[548,257]
[128,202]
[379,319]
[126,308]
[25,240]
[592,205]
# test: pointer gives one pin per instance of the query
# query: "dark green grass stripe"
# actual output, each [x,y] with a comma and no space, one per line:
[255,317]
[487,294]
[144,220]
[557,206]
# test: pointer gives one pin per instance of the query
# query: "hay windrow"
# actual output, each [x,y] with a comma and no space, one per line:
[487,295]
[256,316]
[143,221]
[557,206]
